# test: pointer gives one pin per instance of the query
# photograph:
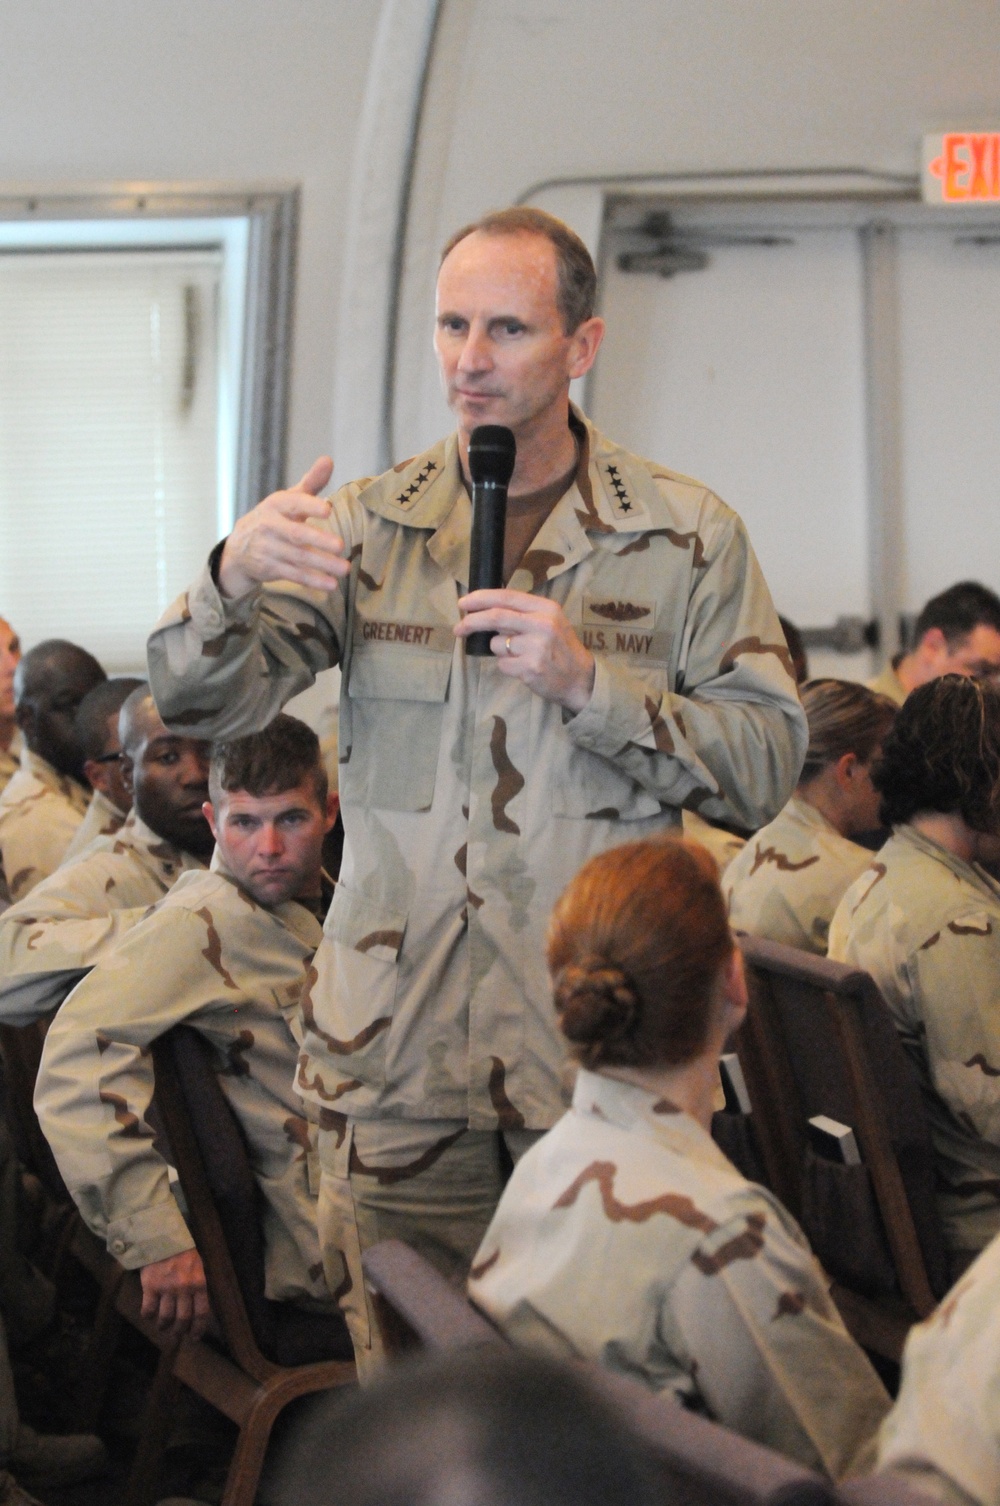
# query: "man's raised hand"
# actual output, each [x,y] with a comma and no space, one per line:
[275,541]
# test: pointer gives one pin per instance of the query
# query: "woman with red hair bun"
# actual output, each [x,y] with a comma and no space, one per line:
[624,1235]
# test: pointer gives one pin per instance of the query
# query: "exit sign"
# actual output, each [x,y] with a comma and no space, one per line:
[962,167]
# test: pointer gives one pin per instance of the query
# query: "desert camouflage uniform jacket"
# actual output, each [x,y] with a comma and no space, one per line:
[102,820]
[209,956]
[722,844]
[626,1237]
[74,917]
[926,926]
[468,801]
[944,1429]
[790,878]
[40,811]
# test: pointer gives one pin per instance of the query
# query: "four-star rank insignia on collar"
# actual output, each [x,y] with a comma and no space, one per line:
[409,494]
[622,505]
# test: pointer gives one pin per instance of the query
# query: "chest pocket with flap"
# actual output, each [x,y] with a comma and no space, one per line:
[397,697]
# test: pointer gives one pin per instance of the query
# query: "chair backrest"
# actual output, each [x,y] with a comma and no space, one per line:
[702,1464]
[21,1053]
[885,1488]
[820,1040]
[417,1307]
[224,1209]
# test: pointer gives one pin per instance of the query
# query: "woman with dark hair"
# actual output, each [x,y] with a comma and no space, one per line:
[924,920]
[624,1234]
[789,879]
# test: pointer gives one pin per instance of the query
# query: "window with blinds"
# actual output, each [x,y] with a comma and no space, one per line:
[115,459]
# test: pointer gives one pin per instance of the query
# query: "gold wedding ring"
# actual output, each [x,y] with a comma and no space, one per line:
[507,646]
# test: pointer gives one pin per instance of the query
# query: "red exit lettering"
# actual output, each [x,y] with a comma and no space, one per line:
[969,166]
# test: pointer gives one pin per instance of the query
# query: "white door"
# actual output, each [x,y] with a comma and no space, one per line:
[749,375]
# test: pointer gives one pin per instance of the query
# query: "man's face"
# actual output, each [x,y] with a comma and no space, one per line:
[502,350]
[977,655]
[272,844]
[169,780]
[10,654]
[105,773]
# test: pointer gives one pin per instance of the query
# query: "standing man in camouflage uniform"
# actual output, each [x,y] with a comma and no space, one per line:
[924,920]
[46,800]
[49,940]
[227,951]
[637,665]
[10,737]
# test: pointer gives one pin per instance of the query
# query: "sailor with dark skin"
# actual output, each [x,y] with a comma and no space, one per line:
[96,727]
[46,800]
[52,937]
[167,777]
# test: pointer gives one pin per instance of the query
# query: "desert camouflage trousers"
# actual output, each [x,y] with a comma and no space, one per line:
[434,1184]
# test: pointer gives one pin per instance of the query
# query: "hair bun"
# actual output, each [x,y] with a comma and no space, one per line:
[596,1002]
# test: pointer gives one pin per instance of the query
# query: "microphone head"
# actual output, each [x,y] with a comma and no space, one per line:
[492,449]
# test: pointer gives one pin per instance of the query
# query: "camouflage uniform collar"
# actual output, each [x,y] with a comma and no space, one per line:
[290,915]
[143,839]
[970,873]
[419,492]
[611,494]
[802,810]
[63,784]
[642,1112]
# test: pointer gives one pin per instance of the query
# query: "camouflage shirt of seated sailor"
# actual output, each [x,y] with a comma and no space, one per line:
[790,878]
[926,926]
[210,957]
[468,801]
[943,1432]
[74,917]
[102,820]
[626,1237]
[40,811]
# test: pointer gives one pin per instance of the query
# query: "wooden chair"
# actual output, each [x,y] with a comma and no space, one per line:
[416,1307]
[702,1463]
[264,1354]
[818,1039]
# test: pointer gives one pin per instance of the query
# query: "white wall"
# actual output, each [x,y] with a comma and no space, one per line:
[533,89]
[216,90]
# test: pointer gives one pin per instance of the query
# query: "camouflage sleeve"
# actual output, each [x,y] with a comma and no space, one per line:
[955,987]
[96,1083]
[221,667]
[944,1430]
[50,939]
[768,1349]
[730,741]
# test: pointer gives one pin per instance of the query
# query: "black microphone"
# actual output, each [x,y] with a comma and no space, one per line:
[492,449]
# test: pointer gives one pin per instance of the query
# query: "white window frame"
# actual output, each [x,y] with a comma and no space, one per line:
[257,228]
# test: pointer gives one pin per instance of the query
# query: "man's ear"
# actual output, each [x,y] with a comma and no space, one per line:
[96,775]
[585,343]
[128,773]
[208,811]
[332,809]
[934,644]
